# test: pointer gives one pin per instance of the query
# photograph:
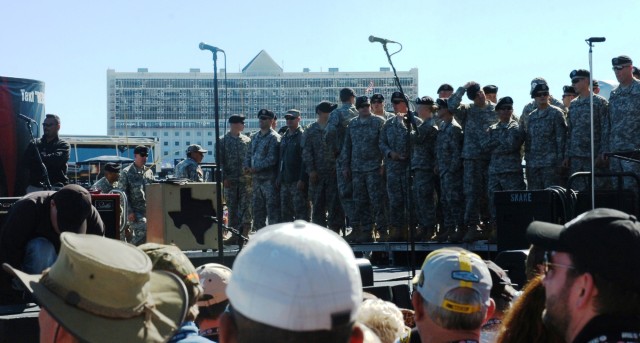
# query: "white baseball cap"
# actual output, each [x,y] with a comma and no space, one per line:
[446,269]
[214,278]
[296,276]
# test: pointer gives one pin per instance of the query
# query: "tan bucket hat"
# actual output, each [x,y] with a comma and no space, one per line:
[103,290]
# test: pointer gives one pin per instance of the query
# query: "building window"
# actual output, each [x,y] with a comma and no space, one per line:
[166,134]
[209,153]
[176,143]
[166,153]
[188,133]
[120,133]
[176,133]
[166,143]
[188,143]
[176,153]
[199,134]
[209,133]
[209,143]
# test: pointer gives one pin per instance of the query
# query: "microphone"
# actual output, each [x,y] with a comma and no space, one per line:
[373,39]
[25,118]
[596,39]
[209,47]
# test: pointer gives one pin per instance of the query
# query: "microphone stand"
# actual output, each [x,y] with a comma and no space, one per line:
[45,174]
[408,196]
[593,167]
[218,173]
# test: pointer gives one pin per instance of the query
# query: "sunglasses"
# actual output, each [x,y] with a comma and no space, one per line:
[395,102]
[505,108]
[576,80]
[48,125]
[289,118]
[618,67]
[376,101]
[264,118]
[548,266]
[541,94]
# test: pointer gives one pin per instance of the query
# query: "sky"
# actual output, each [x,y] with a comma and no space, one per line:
[69,45]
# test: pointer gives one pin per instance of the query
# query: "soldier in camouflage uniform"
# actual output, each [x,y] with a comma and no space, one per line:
[545,133]
[133,180]
[190,167]
[577,156]
[334,138]
[320,164]
[110,179]
[475,119]
[623,124]
[504,141]
[363,164]
[237,184]
[261,163]
[377,107]
[423,163]
[292,178]
[528,108]
[394,147]
[449,168]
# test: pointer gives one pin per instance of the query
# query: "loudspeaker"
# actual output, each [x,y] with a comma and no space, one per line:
[515,210]
[108,206]
[5,205]
[184,215]
[514,262]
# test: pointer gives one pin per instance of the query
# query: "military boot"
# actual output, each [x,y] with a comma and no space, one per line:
[474,233]
[458,235]
[443,234]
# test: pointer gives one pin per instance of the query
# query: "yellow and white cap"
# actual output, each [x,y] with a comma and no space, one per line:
[446,269]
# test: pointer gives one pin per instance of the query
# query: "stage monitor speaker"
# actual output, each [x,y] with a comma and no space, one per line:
[108,206]
[622,200]
[5,205]
[184,215]
[515,210]
[514,262]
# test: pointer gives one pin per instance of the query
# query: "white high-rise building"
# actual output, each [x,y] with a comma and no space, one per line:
[178,108]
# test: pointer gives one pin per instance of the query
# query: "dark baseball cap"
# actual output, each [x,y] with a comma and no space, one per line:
[377,97]
[395,96]
[361,100]
[326,107]
[603,242]
[73,206]
[141,150]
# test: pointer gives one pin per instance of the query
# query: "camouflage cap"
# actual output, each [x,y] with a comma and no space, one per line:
[195,148]
[171,259]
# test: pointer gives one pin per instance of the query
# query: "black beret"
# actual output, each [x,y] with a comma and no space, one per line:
[596,84]
[361,100]
[445,87]
[504,102]
[326,107]
[377,97]
[442,103]
[236,118]
[621,60]
[472,91]
[397,96]
[636,72]
[539,88]
[579,73]
[537,81]
[266,113]
[569,90]
[490,89]
[112,167]
[346,92]
[425,100]
[141,149]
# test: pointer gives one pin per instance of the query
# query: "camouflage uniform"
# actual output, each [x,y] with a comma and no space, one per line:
[132,182]
[334,137]
[423,162]
[104,186]
[263,156]
[578,146]
[475,121]
[531,106]
[362,156]
[545,133]
[294,204]
[622,128]
[320,159]
[238,195]
[393,138]
[449,161]
[189,169]
[504,142]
